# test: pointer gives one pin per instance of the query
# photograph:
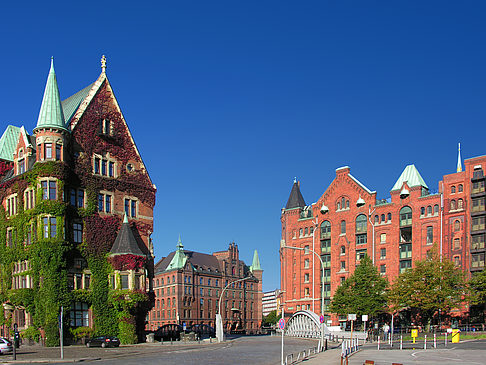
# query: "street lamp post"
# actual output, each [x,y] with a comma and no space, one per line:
[219,319]
[322,267]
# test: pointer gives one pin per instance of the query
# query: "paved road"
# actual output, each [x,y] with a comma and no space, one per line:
[248,350]
[465,352]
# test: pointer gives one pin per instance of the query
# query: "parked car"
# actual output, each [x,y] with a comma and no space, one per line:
[103,341]
[5,345]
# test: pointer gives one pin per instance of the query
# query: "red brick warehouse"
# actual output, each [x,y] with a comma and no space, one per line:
[393,232]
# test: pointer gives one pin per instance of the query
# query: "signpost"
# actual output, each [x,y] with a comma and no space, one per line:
[281,325]
[364,318]
[16,333]
[321,319]
[352,318]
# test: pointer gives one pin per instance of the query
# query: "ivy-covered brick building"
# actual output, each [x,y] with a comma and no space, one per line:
[76,220]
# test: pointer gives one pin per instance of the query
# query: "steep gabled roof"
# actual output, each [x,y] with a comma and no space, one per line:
[51,113]
[125,242]
[8,142]
[296,200]
[198,260]
[179,259]
[71,104]
[411,176]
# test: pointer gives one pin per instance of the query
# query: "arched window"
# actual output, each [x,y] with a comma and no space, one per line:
[361,223]
[301,232]
[429,210]
[343,227]
[422,211]
[347,204]
[460,204]
[383,218]
[338,206]
[460,188]
[453,204]
[306,231]
[389,217]
[436,209]
[325,229]
[343,250]
[457,225]
[453,189]
[405,216]
[343,202]
[377,219]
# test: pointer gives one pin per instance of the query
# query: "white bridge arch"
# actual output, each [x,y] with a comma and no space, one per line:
[306,324]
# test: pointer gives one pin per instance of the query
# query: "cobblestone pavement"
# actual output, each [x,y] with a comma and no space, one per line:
[244,350]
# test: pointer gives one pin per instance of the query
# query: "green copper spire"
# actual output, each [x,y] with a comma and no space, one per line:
[256,262]
[51,114]
[179,259]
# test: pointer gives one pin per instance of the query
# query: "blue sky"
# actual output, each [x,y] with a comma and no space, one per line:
[229,100]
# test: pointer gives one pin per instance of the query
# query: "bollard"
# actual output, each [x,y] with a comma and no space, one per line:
[425,342]
[401,342]
[378,343]
[445,338]
[435,341]
[325,349]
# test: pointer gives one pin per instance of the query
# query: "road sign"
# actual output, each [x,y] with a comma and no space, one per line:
[321,318]
[364,318]
[281,323]
[352,317]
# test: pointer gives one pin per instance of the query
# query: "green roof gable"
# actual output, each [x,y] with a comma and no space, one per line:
[411,176]
[256,262]
[71,104]
[51,113]
[179,259]
[8,142]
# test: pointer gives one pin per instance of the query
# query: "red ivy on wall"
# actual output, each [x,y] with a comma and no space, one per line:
[101,233]
[127,262]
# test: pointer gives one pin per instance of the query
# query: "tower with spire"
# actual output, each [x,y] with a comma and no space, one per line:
[50,132]
[77,216]
[459,159]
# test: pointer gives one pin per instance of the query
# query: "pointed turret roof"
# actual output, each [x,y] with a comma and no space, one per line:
[179,259]
[51,113]
[256,262]
[411,176]
[125,242]
[296,200]
[459,159]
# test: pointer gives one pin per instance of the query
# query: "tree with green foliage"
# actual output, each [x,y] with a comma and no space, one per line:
[427,288]
[271,318]
[364,292]
[477,287]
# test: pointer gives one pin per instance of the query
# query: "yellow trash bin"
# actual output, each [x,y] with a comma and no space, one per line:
[455,335]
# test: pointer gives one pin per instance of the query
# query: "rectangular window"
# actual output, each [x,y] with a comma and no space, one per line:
[306,263]
[405,251]
[45,227]
[478,223]
[58,152]
[79,281]
[111,169]
[361,239]
[327,275]
[383,269]
[10,237]
[477,242]
[383,253]
[306,249]
[430,235]
[404,265]
[108,203]
[478,205]
[97,165]
[360,254]
[326,246]
[21,166]
[326,260]
[103,167]
[477,260]
[124,281]
[100,203]
[343,266]
[383,238]
[52,190]
[80,198]
[87,281]
[306,277]
[77,232]
[104,203]
[53,222]
[79,315]
[49,190]
[48,151]
[131,208]
[28,199]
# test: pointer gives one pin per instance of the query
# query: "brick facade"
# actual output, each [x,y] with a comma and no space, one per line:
[189,293]
[394,232]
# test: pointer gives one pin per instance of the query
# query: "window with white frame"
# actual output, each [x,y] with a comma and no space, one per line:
[29,198]
[77,232]
[49,189]
[105,201]
[11,236]
[49,227]
[130,207]
[11,203]
[104,166]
